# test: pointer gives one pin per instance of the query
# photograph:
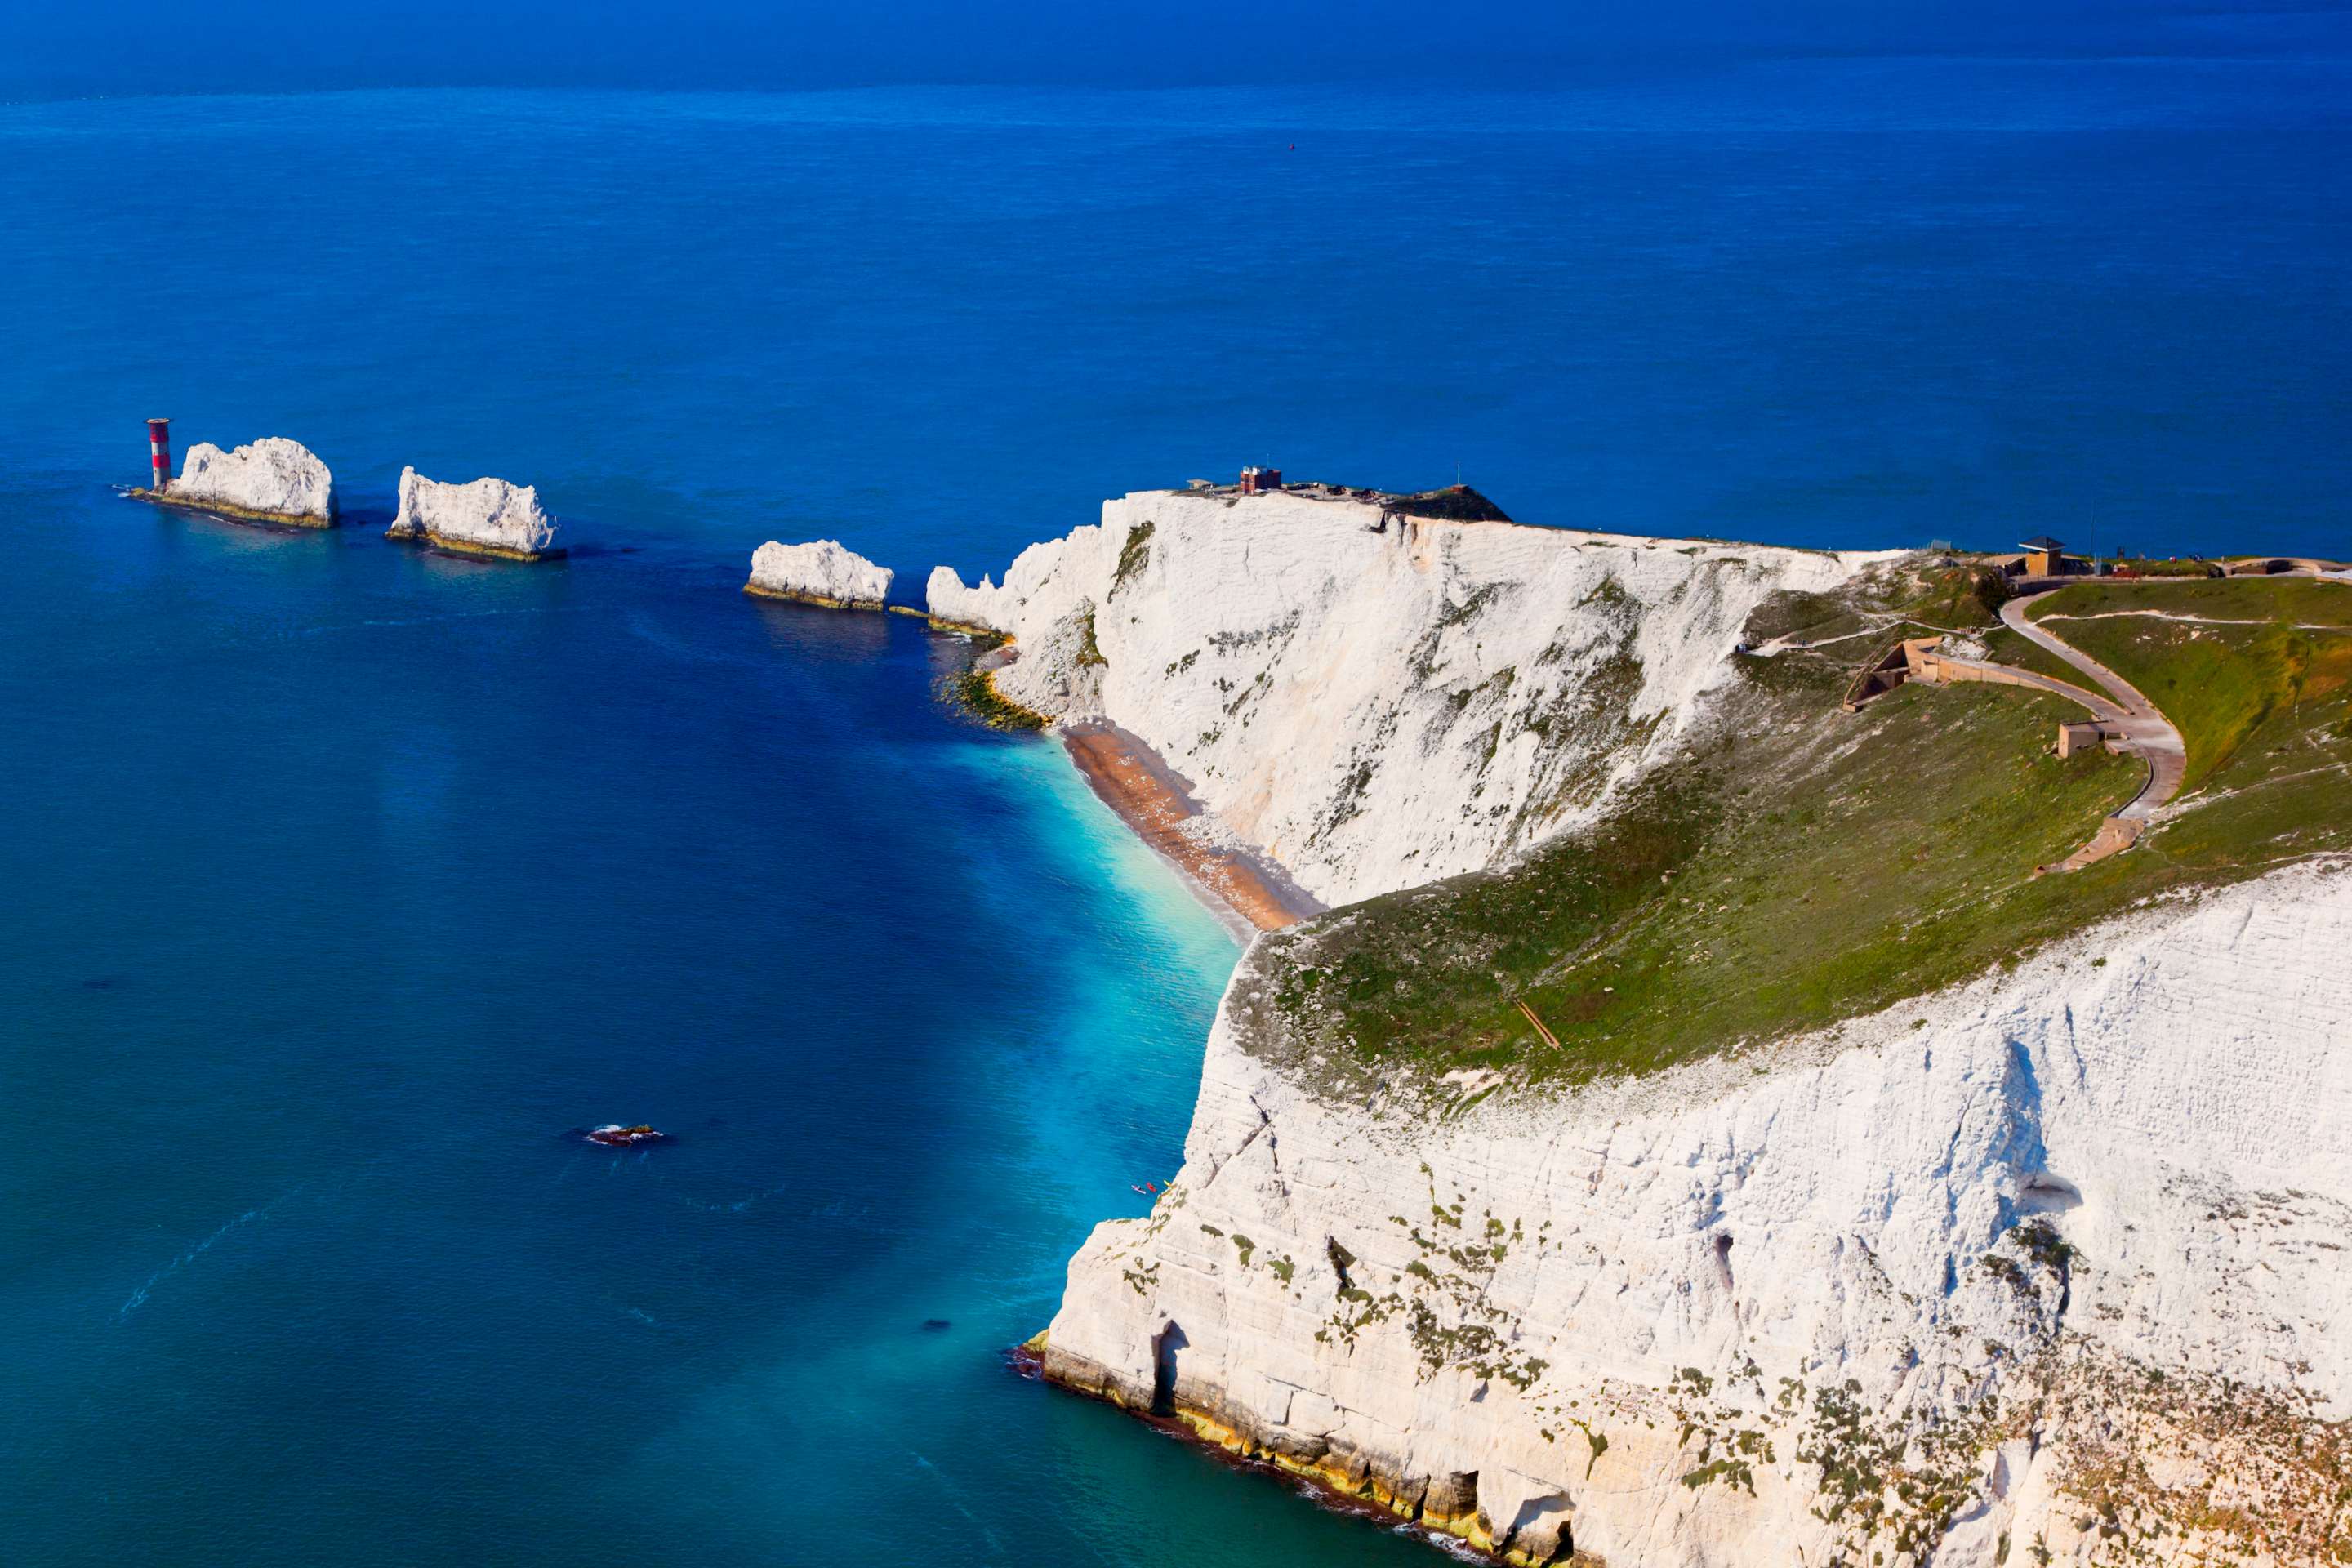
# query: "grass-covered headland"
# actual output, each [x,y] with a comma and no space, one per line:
[1797,865]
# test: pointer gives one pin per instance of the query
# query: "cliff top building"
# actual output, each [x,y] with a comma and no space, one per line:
[2043,557]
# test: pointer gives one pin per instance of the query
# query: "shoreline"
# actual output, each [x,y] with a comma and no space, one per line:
[221,509]
[1334,1491]
[470,548]
[793,597]
[1248,891]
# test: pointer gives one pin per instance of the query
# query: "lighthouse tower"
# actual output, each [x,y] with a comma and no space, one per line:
[159,451]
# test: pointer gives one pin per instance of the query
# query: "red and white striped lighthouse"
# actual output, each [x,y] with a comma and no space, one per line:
[159,451]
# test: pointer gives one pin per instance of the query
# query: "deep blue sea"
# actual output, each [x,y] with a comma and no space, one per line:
[337,881]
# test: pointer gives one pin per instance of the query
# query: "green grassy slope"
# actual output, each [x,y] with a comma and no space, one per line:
[1935,598]
[1804,866]
[2246,669]
[2297,599]
[2005,646]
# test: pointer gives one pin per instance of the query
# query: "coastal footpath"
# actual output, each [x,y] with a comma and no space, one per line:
[1697,1136]
[487,518]
[270,480]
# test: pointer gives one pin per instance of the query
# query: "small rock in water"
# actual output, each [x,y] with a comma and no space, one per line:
[935,1325]
[823,573]
[615,1136]
[486,515]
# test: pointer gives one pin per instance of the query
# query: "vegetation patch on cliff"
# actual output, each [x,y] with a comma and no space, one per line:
[1134,555]
[973,687]
[2232,662]
[1456,503]
[2002,645]
[1800,865]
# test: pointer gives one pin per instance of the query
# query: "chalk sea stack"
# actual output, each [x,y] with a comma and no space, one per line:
[489,518]
[271,481]
[823,573]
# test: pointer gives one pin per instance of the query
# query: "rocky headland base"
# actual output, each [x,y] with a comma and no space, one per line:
[486,518]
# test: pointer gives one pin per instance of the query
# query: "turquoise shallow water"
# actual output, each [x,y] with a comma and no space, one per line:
[337,880]
[349,878]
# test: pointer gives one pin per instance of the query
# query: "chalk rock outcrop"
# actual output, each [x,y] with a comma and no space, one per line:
[823,573]
[2055,1273]
[273,479]
[486,517]
[1376,699]
[949,601]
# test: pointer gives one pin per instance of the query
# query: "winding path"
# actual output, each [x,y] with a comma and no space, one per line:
[2129,718]
[2128,721]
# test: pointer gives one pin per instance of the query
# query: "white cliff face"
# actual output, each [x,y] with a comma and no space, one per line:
[2068,1258]
[823,573]
[1376,700]
[271,478]
[486,515]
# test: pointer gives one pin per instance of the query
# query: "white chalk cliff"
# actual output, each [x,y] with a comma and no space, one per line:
[1375,701]
[487,517]
[2058,1274]
[272,477]
[2054,1266]
[822,572]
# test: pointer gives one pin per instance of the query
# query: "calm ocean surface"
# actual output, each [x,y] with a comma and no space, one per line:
[337,880]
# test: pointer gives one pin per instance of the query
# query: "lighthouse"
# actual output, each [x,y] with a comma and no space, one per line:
[159,451]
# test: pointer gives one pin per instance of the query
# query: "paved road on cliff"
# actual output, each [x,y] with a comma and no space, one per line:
[2130,717]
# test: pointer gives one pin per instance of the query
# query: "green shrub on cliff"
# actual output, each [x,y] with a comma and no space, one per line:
[978,696]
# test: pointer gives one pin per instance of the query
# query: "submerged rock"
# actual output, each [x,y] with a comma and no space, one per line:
[274,480]
[823,573]
[487,517]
